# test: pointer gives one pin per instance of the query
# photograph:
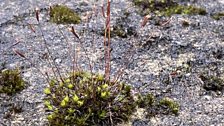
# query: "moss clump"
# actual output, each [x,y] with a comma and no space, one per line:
[180,9]
[118,31]
[212,83]
[144,101]
[148,6]
[167,7]
[88,99]
[63,15]
[169,105]
[154,4]
[218,16]
[122,31]
[153,106]
[11,81]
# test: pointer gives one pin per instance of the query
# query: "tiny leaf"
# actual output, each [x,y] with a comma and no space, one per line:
[80,103]
[47,91]
[66,99]
[63,103]
[75,98]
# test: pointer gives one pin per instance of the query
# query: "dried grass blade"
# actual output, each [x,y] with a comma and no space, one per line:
[74,33]
[17,42]
[37,11]
[108,15]
[102,10]
[166,22]
[19,53]
[145,20]
[31,28]
[50,9]
[107,52]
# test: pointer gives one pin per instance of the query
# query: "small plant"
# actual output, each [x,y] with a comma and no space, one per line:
[167,7]
[212,83]
[180,9]
[88,99]
[63,15]
[145,100]
[218,16]
[119,31]
[148,6]
[169,105]
[153,106]
[13,109]
[11,81]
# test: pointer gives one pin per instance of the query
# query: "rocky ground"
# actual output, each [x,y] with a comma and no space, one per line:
[169,60]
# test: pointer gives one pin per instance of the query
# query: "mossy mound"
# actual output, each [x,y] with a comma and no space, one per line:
[119,31]
[180,9]
[212,83]
[122,31]
[63,15]
[154,106]
[167,8]
[169,105]
[153,5]
[218,16]
[11,82]
[88,99]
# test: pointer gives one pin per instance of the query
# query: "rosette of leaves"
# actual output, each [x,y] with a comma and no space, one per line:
[88,99]
[11,81]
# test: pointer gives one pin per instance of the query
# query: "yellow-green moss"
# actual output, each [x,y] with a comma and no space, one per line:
[63,15]
[144,101]
[218,16]
[88,99]
[11,82]
[170,105]
[167,8]
[180,9]
[155,106]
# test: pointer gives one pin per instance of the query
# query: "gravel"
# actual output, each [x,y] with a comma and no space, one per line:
[167,62]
